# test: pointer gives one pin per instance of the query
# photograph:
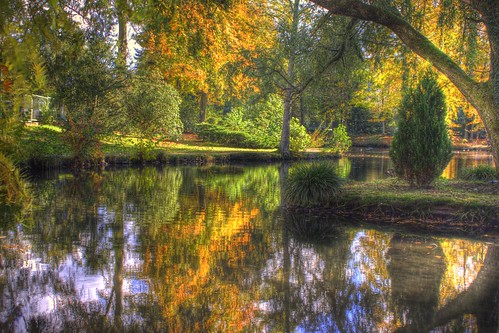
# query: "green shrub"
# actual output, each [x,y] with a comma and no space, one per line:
[482,172]
[152,110]
[340,141]
[88,85]
[266,121]
[312,185]
[255,126]
[299,139]
[421,147]
[219,134]
[188,112]
[234,120]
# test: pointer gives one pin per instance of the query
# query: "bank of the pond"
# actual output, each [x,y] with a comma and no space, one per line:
[451,206]
[167,157]
[45,148]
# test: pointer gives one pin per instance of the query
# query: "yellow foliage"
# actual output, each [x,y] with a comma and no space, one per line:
[205,48]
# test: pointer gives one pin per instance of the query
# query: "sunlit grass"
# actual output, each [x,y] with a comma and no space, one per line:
[464,200]
[46,141]
[43,141]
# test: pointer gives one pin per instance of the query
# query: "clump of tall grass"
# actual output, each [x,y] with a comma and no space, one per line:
[481,172]
[312,185]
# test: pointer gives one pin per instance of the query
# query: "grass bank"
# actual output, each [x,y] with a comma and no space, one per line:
[44,148]
[451,206]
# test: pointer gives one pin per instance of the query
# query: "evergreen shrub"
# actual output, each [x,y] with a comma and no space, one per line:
[421,147]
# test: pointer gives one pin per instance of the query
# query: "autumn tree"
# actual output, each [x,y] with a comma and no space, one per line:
[483,95]
[203,47]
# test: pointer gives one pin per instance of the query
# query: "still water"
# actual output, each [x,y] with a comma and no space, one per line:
[208,249]
[371,164]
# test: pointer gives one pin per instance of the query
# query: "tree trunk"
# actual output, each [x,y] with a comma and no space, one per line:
[203,106]
[119,250]
[122,13]
[483,96]
[286,122]
[290,88]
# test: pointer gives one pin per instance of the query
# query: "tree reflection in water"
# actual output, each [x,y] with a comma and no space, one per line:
[205,250]
[416,267]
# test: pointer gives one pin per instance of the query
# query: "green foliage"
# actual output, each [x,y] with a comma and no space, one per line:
[421,147]
[299,138]
[312,185]
[254,126]
[320,136]
[260,132]
[463,126]
[42,142]
[359,122]
[340,141]
[152,109]
[225,136]
[234,120]
[188,113]
[266,121]
[482,172]
[14,191]
[86,84]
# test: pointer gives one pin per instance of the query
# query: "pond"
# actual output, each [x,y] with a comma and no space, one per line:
[371,164]
[208,249]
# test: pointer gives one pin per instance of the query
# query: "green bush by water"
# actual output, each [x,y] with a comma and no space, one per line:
[340,141]
[312,185]
[482,172]
[421,148]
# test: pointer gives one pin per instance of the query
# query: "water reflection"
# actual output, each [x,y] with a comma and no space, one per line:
[372,164]
[208,250]
[416,268]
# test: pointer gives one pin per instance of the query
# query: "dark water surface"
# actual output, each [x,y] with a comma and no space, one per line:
[207,249]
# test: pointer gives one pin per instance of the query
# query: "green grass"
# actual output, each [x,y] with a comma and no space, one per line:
[44,146]
[468,203]
[482,172]
[312,185]
[44,141]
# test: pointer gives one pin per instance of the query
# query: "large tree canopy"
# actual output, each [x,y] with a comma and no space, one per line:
[484,96]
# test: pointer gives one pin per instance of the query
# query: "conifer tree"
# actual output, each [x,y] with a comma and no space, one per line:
[421,147]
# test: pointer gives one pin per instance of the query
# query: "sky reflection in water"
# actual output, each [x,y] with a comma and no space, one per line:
[208,250]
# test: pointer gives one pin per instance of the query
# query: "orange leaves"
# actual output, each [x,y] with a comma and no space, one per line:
[205,47]
[4,79]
